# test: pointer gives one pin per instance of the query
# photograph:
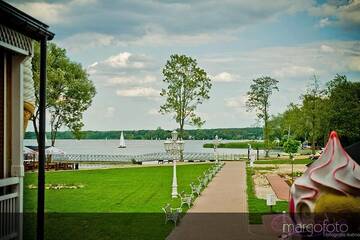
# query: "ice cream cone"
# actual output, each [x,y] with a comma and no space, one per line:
[29,92]
[29,109]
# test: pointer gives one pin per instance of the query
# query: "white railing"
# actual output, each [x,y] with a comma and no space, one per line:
[161,156]
[9,213]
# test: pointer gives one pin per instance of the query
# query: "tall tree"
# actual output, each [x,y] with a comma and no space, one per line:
[69,91]
[311,109]
[344,108]
[259,100]
[187,86]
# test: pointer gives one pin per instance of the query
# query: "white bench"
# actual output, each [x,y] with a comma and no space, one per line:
[186,199]
[171,214]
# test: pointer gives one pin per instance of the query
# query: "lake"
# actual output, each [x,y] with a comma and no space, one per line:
[134,147]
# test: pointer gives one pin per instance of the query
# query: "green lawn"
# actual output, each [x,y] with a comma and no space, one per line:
[122,203]
[257,207]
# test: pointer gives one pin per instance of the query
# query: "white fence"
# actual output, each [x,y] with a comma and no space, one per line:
[149,157]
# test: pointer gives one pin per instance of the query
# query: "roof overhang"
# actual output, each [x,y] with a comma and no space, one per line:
[23,23]
[15,41]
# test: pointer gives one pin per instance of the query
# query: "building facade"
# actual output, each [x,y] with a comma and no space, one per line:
[18,31]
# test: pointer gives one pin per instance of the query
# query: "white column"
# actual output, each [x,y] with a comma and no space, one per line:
[17,117]
[17,131]
[174,192]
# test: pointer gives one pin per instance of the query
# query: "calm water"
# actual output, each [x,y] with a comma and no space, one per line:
[133,146]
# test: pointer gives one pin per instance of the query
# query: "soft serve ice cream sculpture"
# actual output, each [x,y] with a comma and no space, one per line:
[29,92]
[333,174]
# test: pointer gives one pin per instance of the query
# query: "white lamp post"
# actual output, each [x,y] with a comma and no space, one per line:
[174,147]
[216,144]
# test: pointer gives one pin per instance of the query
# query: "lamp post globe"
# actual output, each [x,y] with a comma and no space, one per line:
[174,147]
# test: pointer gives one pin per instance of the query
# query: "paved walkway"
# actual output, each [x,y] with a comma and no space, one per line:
[217,213]
[221,210]
[280,187]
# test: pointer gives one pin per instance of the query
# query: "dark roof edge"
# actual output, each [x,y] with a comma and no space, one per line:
[40,27]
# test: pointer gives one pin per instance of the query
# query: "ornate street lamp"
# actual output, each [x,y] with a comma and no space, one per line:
[216,144]
[174,147]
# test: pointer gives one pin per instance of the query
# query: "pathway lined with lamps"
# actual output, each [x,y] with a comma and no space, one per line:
[219,212]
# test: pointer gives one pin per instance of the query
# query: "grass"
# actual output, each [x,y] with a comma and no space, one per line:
[113,203]
[284,161]
[257,207]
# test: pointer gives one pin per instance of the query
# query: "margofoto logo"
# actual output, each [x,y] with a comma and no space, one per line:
[325,228]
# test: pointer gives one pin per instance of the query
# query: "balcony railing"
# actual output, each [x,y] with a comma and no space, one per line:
[9,212]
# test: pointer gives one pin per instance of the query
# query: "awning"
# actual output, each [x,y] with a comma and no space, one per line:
[27,150]
[53,151]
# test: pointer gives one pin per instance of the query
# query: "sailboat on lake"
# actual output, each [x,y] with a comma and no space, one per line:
[122,141]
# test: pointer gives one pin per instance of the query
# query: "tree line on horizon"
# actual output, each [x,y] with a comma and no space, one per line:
[251,133]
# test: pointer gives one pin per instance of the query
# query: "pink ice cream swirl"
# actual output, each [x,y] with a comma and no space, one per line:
[334,172]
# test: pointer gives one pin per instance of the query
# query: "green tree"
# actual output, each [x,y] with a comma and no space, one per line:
[259,100]
[293,122]
[291,146]
[275,127]
[311,109]
[69,91]
[344,109]
[187,86]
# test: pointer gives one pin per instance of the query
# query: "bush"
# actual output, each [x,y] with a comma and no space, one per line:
[291,146]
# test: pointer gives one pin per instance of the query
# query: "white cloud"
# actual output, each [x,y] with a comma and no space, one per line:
[293,63]
[154,112]
[53,13]
[50,13]
[324,22]
[294,71]
[123,80]
[343,13]
[157,23]
[326,48]
[236,102]
[121,61]
[84,2]
[223,77]
[87,40]
[139,92]
[158,37]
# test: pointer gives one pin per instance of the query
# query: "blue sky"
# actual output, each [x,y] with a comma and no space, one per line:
[125,44]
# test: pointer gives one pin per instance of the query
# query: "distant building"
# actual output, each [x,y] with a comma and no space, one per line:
[17,33]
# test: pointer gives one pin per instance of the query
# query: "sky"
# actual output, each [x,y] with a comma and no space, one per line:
[124,45]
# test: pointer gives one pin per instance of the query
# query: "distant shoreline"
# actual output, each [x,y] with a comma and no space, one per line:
[162,134]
